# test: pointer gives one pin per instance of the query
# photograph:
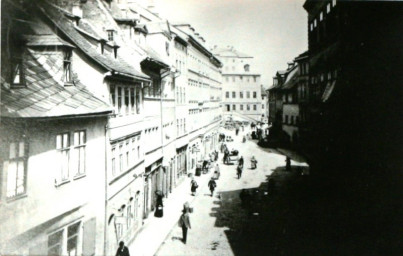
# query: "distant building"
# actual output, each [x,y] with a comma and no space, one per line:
[242,92]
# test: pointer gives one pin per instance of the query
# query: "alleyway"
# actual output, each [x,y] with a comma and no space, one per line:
[220,224]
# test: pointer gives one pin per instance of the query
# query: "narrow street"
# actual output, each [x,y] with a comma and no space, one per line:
[220,223]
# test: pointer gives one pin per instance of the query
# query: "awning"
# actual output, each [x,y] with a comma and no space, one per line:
[328,90]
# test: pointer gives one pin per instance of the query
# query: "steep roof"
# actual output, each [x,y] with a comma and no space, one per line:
[45,96]
[57,16]
[292,78]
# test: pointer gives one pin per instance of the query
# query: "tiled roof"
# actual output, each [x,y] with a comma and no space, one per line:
[68,28]
[46,40]
[45,96]
[292,78]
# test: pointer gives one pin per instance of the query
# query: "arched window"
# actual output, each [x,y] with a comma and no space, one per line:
[246,67]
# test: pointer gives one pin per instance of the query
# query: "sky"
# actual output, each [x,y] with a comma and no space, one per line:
[272,31]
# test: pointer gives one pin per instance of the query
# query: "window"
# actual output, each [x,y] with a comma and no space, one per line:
[126,100]
[254,107]
[254,79]
[55,243]
[241,107]
[311,26]
[226,79]
[17,72]
[65,241]
[241,78]
[314,23]
[234,107]
[67,66]
[241,95]
[248,95]
[110,35]
[246,68]
[328,8]
[334,2]
[113,161]
[233,79]
[321,16]
[72,239]
[63,147]
[120,157]
[233,95]
[247,107]
[132,100]
[227,95]
[254,95]
[262,106]
[292,120]
[16,176]
[79,153]
[286,119]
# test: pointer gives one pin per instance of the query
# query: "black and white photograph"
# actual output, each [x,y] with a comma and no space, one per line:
[201,127]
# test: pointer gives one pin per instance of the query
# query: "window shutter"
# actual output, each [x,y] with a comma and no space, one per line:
[89,235]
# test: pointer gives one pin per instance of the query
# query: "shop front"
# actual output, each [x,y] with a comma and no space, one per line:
[153,181]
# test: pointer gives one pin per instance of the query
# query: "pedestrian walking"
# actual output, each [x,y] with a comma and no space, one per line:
[193,187]
[212,184]
[122,250]
[217,171]
[288,164]
[240,161]
[239,171]
[159,207]
[184,223]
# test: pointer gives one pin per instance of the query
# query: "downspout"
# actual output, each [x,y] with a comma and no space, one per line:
[106,188]
[109,73]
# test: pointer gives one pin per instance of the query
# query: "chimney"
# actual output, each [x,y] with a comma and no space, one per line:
[77,10]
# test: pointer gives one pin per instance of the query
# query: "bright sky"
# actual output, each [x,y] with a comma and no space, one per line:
[273,31]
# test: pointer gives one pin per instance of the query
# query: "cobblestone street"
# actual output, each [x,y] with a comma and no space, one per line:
[220,222]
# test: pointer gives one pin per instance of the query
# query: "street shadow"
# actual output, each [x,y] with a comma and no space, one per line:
[297,215]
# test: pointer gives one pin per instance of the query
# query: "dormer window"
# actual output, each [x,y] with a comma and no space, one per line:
[67,66]
[110,34]
[17,73]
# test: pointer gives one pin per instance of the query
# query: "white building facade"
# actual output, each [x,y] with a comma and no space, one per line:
[241,93]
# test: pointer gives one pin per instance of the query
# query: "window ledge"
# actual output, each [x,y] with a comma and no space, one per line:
[15,198]
[59,183]
[77,177]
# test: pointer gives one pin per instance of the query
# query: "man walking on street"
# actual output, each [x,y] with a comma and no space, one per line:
[212,184]
[122,250]
[184,223]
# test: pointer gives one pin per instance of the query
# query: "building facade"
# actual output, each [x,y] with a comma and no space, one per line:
[241,84]
[110,98]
